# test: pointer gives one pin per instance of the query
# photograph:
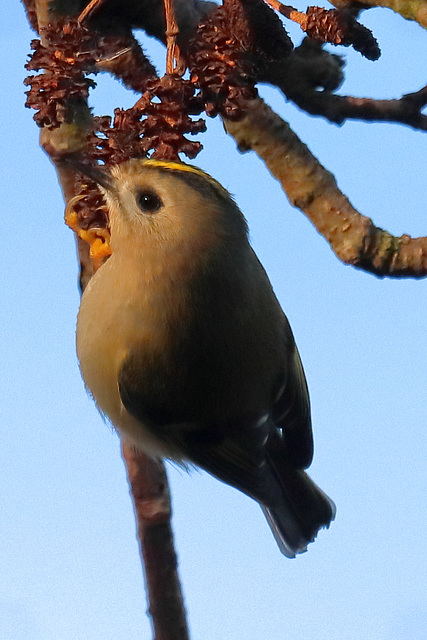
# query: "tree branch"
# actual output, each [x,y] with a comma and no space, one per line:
[338,109]
[310,68]
[70,137]
[310,187]
[151,498]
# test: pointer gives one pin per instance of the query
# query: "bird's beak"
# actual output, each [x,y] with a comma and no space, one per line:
[97,174]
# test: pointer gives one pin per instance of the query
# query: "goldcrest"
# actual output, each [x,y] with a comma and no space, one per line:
[183,344]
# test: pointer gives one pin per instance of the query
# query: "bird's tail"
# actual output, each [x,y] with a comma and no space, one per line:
[304,509]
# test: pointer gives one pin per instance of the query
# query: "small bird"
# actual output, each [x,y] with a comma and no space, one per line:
[183,345]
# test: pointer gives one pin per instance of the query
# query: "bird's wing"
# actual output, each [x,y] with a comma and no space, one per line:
[238,458]
[232,451]
[291,412]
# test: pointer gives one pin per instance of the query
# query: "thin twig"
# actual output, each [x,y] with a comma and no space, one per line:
[405,110]
[306,71]
[309,186]
[90,9]
[174,60]
[289,12]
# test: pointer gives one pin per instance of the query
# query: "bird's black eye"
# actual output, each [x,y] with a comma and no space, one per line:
[148,201]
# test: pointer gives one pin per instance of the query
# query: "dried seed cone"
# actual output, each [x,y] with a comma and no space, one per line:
[157,124]
[228,51]
[66,57]
[339,27]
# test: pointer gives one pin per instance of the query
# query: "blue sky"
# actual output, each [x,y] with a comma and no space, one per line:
[69,567]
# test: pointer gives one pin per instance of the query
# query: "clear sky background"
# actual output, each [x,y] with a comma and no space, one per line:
[69,564]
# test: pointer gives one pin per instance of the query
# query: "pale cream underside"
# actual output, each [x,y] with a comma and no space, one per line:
[102,346]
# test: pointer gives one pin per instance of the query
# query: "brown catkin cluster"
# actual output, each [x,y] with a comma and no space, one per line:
[67,55]
[258,30]
[157,125]
[228,50]
[224,74]
[91,210]
[339,27]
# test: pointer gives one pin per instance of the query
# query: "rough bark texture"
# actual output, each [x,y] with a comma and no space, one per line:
[310,187]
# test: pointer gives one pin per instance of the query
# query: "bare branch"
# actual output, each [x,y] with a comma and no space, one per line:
[310,76]
[310,187]
[151,499]
[336,108]
[174,62]
[90,9]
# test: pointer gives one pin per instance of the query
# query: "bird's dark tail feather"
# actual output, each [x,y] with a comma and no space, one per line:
[304,510]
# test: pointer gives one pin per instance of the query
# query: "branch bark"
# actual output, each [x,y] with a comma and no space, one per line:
[338,109]
[310,187]
[151,498]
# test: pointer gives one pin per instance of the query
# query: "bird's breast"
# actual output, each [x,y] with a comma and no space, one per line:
[121,312]
[198,336]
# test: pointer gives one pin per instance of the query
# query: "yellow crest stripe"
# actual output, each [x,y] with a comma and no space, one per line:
[182,166]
